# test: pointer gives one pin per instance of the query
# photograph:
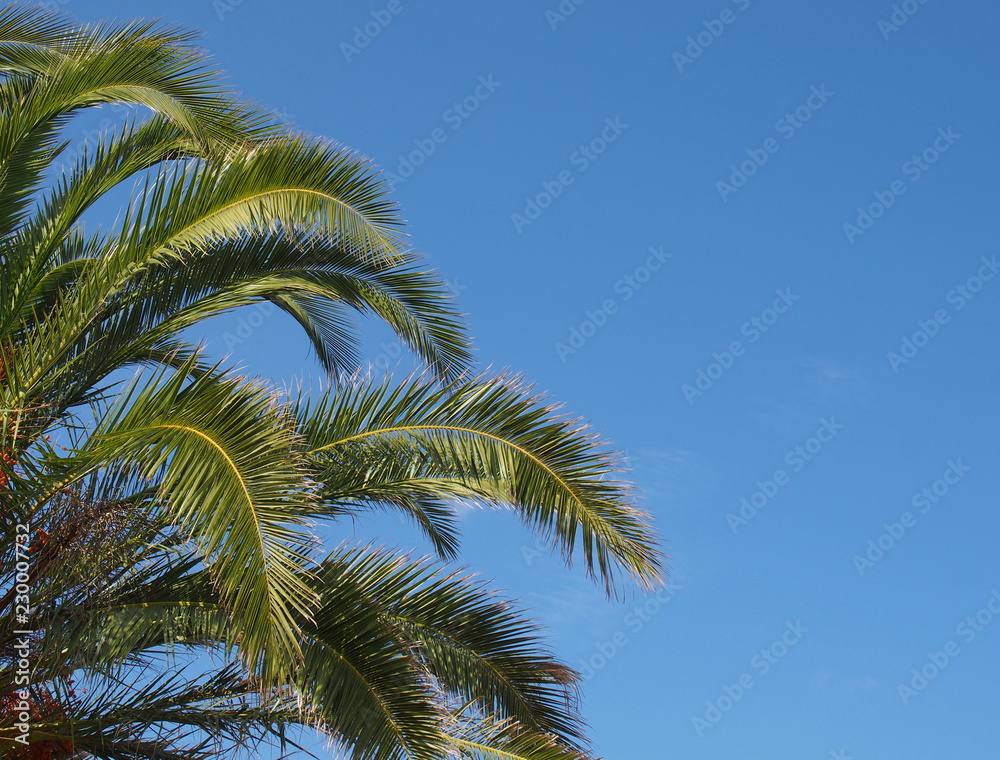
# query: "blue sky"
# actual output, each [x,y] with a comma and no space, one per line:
[788,208]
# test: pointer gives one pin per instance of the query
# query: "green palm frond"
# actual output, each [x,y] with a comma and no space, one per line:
[224,460]
[477,645]
[491,440]
[157,608]
[317,283]
[23,30]
[282,182]
[204,715]
[490,737]
[361,680]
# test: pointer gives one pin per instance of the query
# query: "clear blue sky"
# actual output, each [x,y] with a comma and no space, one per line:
[641,148]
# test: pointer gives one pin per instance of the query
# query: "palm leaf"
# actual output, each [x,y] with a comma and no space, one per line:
[490,440]
[227,473]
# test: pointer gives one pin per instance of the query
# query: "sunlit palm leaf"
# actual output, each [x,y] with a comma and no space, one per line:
[500,444]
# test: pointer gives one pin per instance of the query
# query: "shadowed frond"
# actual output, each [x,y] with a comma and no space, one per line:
[476,644]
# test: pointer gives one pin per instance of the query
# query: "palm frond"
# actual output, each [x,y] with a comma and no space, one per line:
[477,645]
[490,737]
[496,442]
[223,458]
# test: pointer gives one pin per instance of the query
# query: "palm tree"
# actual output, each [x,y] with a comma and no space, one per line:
[164,591]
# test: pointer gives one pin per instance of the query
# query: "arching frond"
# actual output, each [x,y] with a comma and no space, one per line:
[224,461]
[491,440]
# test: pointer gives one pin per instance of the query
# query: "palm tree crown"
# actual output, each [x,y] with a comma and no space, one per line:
[164,581]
